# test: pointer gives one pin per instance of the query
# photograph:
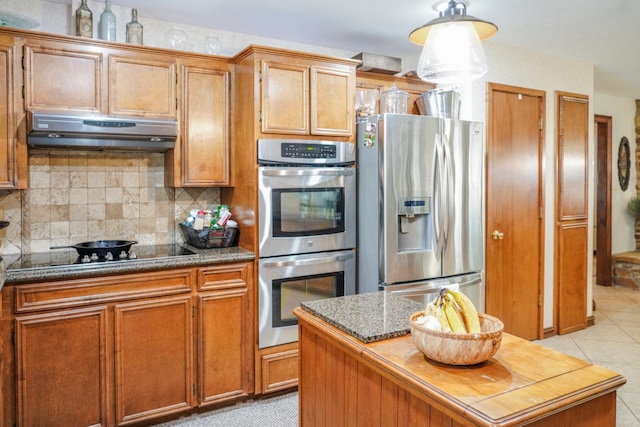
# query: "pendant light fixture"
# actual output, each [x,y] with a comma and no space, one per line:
[452,52]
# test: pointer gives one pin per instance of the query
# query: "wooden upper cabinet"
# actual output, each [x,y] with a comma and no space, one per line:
[201,158]
[142,85]
[86,78]
[61,76]
[382,82]
[332,101]
[13,157]
[302,98]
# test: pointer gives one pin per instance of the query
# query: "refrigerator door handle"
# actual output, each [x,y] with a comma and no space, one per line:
[438,194]
[449,189]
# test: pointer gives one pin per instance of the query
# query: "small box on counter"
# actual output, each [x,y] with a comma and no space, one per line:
[210,238]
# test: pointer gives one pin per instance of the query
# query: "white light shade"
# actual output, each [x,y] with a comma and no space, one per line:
[452,54]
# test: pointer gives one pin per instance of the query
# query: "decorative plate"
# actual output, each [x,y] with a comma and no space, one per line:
[10,19]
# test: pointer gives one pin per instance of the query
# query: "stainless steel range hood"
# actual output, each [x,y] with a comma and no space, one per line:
[100,133]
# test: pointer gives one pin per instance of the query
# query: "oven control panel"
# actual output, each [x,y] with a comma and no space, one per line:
[307,151]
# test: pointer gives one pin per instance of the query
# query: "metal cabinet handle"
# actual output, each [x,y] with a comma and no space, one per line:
[497,235]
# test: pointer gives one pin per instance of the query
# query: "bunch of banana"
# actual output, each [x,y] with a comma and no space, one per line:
[452,311]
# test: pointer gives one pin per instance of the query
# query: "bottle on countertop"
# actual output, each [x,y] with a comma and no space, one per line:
[198,223]
[134,29]
[108,23]
[208,219]
[84,20]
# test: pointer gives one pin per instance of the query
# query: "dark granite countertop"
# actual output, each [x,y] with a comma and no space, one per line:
[368,317]
[12,270]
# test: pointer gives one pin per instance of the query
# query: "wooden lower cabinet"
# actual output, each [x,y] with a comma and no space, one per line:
[153,358]
[125,349]
[277,368]
[62,368]
[225,340]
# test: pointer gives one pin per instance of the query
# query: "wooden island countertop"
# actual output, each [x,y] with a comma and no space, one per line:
[346,382]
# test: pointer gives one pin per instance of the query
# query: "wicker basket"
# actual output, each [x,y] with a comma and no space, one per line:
[458,349]
[210,238]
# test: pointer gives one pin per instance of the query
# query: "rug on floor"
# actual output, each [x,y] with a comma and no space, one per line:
[280,411]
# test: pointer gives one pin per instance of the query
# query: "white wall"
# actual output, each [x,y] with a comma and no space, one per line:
[623,111]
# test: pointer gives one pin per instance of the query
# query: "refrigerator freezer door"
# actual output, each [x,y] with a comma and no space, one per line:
[396,200]
[464,242]
[472,285]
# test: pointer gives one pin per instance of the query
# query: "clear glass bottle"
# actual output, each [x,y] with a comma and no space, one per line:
[84,20]
[134,29]
[108,23]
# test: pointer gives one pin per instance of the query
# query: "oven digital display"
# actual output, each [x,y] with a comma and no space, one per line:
[307,150]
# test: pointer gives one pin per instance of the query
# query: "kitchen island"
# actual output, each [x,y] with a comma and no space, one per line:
[386,381]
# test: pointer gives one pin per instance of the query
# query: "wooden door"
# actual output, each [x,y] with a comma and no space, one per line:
[205,124]
[142,85]
[603,200]
[285,98]
[572,185]
[62,369]
[514,204]
[154,358]
[332,101]
[62,76]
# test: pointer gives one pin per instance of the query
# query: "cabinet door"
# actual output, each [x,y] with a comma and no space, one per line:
[63,77]
[62,369]
[13,161]
[205,124]
[332,101]
[153,358]
[285,98]
[142,85]
[225,333]
[222,322]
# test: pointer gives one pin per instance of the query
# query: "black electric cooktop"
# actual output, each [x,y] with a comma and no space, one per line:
[67,257]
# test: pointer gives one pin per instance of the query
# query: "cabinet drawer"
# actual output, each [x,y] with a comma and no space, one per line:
[280,370]
[224,276]
[81,292]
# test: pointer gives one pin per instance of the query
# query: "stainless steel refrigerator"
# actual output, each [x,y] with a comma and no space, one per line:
[420,206]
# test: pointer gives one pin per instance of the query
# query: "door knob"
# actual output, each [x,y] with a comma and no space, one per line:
[497,235]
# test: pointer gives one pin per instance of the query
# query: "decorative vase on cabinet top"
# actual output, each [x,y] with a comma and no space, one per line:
[134,29]
[84,20]
[108,23]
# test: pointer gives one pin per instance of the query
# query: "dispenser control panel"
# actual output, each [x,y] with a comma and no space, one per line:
[411,206]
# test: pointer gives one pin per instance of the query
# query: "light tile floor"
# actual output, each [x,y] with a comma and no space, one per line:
[612,342]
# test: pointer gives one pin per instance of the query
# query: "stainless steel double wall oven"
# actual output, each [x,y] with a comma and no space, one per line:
[307,214]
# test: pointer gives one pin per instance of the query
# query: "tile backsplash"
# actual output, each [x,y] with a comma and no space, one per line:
[77,196]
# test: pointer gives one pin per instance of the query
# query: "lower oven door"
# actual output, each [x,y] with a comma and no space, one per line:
[287,281]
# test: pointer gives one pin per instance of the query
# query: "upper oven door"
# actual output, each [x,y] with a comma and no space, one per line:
[306,209]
